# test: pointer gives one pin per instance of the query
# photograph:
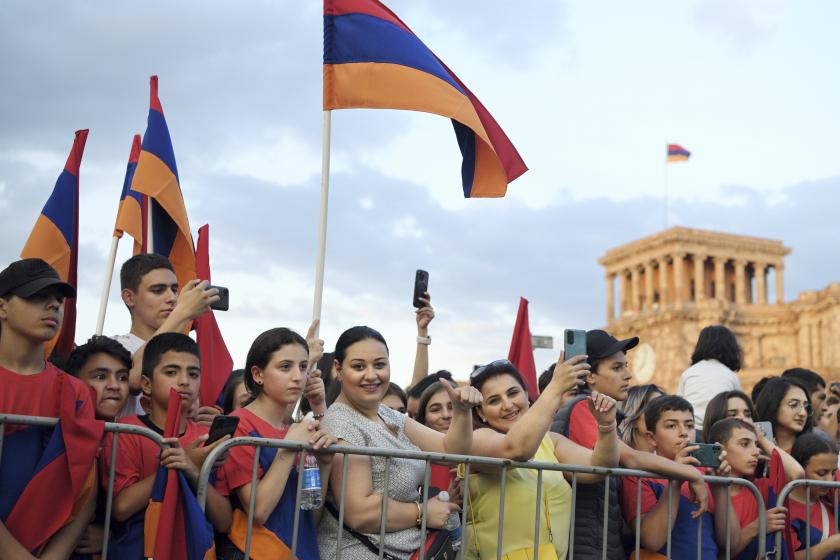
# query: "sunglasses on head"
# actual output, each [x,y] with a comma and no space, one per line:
[492,365]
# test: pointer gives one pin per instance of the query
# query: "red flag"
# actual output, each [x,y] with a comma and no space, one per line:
[216,363]
[521,352]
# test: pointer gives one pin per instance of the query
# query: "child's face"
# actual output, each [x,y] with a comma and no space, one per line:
[822,466]
[284,377]
[108,377]
[176,370]
[37,318]
[737,408]
[742,451]
[673,431]
[613,377]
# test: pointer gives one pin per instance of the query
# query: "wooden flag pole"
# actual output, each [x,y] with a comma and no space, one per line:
[106,285]
[322,227]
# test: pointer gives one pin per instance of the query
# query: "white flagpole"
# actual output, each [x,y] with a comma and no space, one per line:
[106,285]
[322,227]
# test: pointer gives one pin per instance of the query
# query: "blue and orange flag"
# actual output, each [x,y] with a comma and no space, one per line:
[175,528]
[156,175]
[373,60]
[55,239]
[50,472]
[677,153]
[216,363]
[132,213]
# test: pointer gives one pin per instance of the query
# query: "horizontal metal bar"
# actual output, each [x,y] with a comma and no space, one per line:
[110,427]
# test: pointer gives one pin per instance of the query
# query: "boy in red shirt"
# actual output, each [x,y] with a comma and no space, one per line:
[31,310]
[170,361]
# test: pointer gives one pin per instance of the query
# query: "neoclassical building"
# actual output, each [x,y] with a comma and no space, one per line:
[665,288]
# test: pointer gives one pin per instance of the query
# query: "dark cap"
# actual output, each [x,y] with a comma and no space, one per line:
[27,277]
[601,344]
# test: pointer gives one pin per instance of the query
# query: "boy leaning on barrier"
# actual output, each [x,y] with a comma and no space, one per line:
[170,361]
[743,444]
[670,423]
[31,311]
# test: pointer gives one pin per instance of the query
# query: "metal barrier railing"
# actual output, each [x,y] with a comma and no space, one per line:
[110,427]
[783,495]
[469,462]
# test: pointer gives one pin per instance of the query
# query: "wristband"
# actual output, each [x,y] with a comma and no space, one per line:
[318,416]
[419,519]
[427,340]
[605,429]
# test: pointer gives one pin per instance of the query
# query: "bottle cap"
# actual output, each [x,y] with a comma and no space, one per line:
[443,496]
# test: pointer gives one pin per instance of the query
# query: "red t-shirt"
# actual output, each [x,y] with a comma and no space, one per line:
[236,471]
[36,395]
[649,497]
[744,502]
[819,511]
[583,430]
[137,456]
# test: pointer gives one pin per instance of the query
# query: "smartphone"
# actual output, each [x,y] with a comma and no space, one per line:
[222,426]
[574,343]
[766,428]
[708,454]
[224,299]
[421,286]
[762,469]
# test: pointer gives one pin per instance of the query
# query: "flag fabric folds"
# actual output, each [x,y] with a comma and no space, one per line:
[373,60]
[521,352]
[216,362]
[156,175]
[55,239]
[175,527]
[132,213]
[53,466]
[677,153]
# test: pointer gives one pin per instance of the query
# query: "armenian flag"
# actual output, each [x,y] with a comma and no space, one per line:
[373,60]
[156,175]
[55,239]
[133,210]
[521,352]
[677,153]
[216,363]
[175,527]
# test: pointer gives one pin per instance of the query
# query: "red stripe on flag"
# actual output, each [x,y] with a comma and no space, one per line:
[521,352]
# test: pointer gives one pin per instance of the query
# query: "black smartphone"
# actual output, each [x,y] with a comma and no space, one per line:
[574,343]
[762,469]
[224,299]
[421,286]
[222,426]
[708,454]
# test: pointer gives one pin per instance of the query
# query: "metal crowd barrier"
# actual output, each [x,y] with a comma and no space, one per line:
[783,495]
[110,427]
[469,462]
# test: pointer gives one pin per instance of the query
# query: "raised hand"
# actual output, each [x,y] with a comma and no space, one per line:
[315,390]
[568,374]
[603,408]
[425,314]
[195,298]
[464,399]
[316,345]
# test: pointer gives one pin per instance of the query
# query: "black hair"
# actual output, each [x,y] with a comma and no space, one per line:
[666,403]
[166,342]
[810,444]
[501,367]
[134,269]
[545,378]
[261,350]
[427,395]
[717,342]
[811,380]
[771,397]
[96,345]
[394,389]
[718,408]
[353,335]
[759,386]
[417,390]
[236,377]
[721,431]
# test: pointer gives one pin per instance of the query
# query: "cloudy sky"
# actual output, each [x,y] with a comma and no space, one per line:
[589,92]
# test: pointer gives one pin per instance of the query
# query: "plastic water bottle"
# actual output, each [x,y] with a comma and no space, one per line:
[310,494]
[453,523]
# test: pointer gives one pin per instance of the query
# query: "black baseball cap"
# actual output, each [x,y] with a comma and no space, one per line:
[601,344]
[27,277]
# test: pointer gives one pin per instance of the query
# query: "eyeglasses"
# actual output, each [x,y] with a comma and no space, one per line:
[492,365]
[796,405]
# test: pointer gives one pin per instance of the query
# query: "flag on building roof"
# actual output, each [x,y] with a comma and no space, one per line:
[677,153]
[373,60]
[132,215]
[55,239]
[521,352]
[156,175]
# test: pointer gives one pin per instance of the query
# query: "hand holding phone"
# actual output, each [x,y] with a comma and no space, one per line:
[222,426]
[708,454]
[223,304]
[574,343]
[766,428]
[421,286]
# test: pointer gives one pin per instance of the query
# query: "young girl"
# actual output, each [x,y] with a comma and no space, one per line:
[276,376]
[818,455]
[784,403]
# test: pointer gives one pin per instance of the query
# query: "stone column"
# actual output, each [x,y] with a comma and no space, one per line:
[760,282]
[649,286]
[610,277]
[635,304]
[699,277]
[679,266]
[780,282]
[663,282]
[740,292]
[720,278]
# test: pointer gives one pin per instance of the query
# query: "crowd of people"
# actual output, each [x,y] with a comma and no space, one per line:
[588,413]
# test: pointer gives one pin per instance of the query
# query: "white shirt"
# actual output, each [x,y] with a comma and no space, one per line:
[132,343]
[702,382]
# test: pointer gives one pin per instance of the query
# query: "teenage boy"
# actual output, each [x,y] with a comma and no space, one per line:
[150,291]
[670,423]
[743,445]
[31,310]
[170,361]
[103,364]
